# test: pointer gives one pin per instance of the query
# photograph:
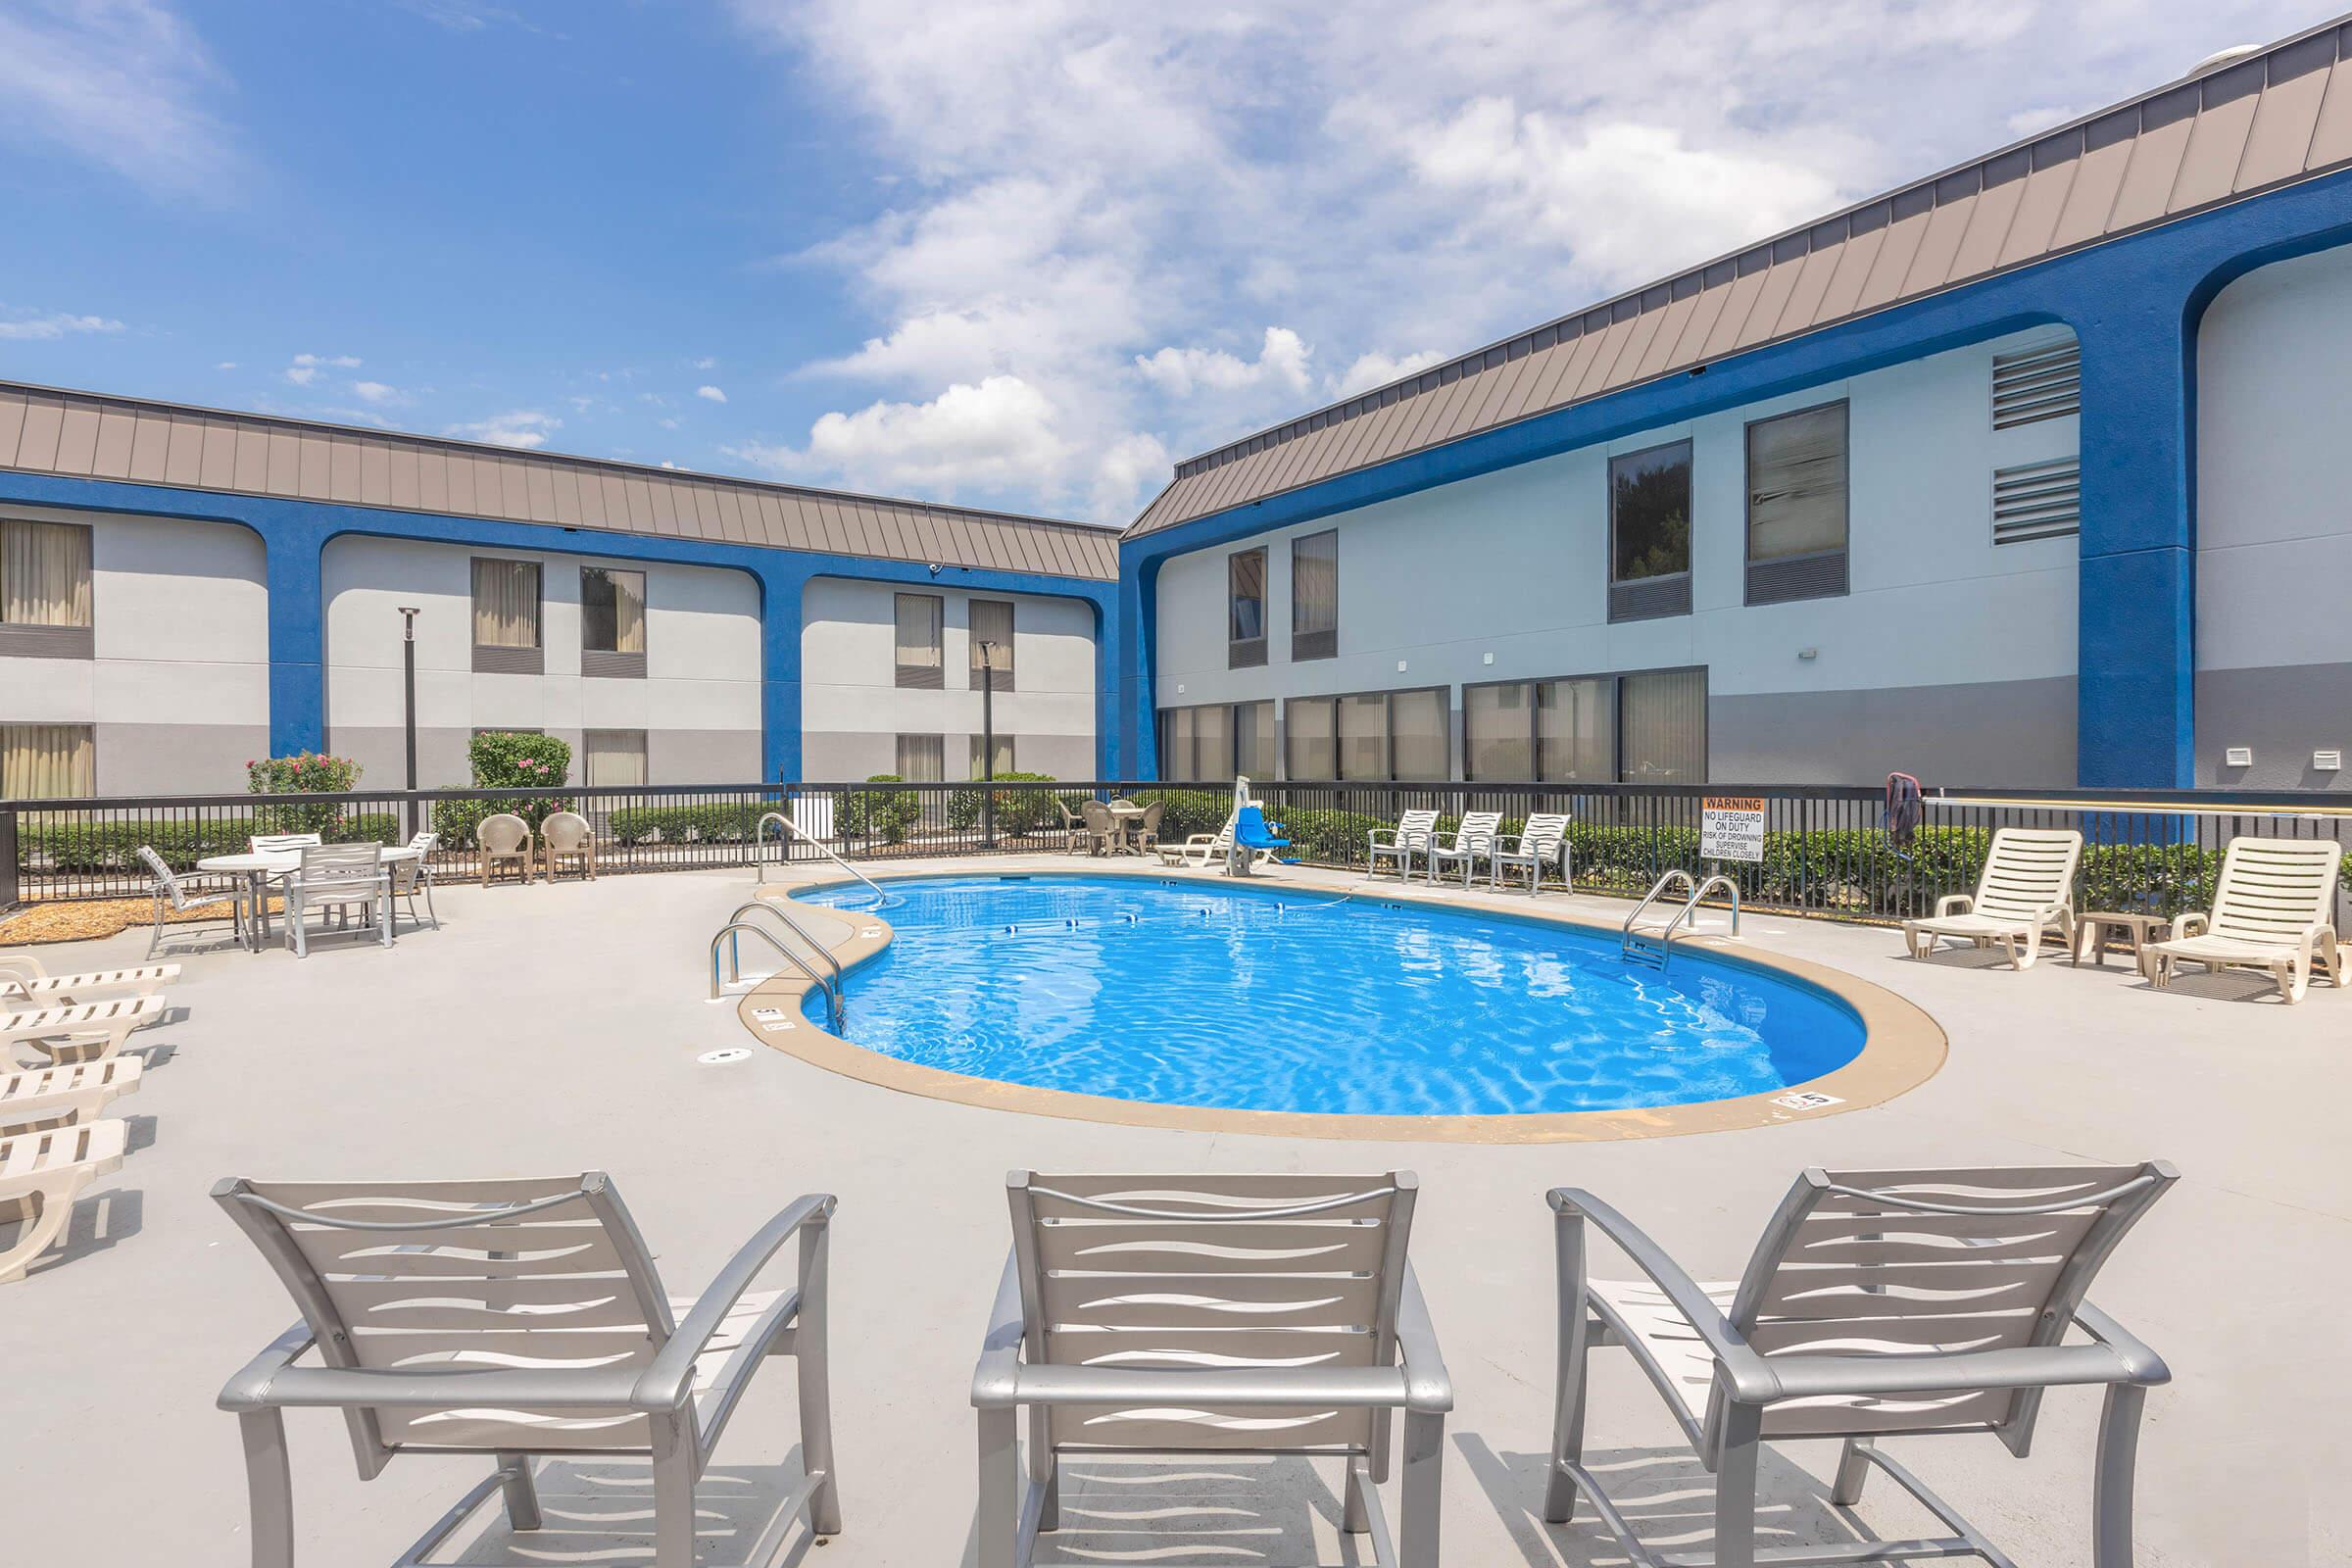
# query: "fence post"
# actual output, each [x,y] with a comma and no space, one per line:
[10,890]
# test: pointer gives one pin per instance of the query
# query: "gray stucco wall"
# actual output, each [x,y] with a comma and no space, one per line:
[2007,734]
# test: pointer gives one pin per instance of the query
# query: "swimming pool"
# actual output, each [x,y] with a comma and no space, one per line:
[1185,993]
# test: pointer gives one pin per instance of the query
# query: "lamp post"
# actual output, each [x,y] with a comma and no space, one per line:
[407,656]
[988,745]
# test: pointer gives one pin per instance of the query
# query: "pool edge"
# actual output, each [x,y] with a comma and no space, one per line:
[1902,1048]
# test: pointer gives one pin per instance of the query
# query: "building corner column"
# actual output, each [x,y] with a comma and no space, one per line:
[1138,623]
[292,559]
[783,584]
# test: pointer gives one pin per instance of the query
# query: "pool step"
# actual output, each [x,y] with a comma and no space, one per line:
[1641,951]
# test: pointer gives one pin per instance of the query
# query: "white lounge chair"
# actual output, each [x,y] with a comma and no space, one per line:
[26,983]
[41,1174]
[2273,910]
[1210,1315]
[90,1031]
[512,1318]
[1415,832]
[64,1097]
[1542,841]
[2027,888]
[1202,850]
[1877,1303]
[1471,842]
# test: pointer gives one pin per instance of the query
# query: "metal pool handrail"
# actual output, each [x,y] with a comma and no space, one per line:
[784,916]
[732,931]
[784,819]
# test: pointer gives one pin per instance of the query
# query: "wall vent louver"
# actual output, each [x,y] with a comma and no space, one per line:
[2036,383]
[2038,501]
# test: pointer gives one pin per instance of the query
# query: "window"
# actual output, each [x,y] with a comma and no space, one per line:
[45,589]
[1313,747]
[506,617]
[1315,595]
[611,623]
[1253,752]
[1649,533]
[1217,741]
[922,758]
[47,762]
[1004,763]
[1568,730]
[920,618]
[1246,608]
[1370,735]
[989,621]
[614,758]
[1418,746]
[1797,524]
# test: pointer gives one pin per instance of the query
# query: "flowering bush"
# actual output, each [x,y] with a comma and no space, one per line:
[305,773]
[507,760]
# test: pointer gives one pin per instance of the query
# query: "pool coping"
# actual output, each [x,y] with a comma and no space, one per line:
[1903,1045]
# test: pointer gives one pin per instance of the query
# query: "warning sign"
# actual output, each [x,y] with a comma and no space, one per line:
[1731,828]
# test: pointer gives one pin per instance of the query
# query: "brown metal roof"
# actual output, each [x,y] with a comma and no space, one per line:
[2277,116]
[92,436]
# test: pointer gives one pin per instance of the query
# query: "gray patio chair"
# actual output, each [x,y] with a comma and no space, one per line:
[567,836]
[1209,1314]
[1145,837]
[178,895]
[1073,826]
[274,843]
[337,879]
[503,838]
[1878,1304]
[414,878]
[1415,833]
[1102,828]
[514,1319]
[1541,842]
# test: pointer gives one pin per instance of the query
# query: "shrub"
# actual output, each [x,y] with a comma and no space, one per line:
[305,773]
[112,843]
[885,815]
[719,823]
[1019,812]
[507,760]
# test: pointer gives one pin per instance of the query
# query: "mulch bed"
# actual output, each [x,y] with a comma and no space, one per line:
[86,919]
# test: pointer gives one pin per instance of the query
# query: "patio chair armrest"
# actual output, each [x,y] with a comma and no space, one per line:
[1954,903]
[1428,1386]
[271,1382]
[249,1389]
[996,1380]
[668,1382]
[2190,924]
[1748,1377]
[2043,1366]
[2145,1365]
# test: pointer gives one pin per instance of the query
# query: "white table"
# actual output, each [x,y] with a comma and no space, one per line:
[1126,818]
[258,867]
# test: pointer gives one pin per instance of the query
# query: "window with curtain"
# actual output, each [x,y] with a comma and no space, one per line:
[1004,764]
[47,762]
[1364,736]
[1246,608]
[44,573]
[614,758]
[1313,724]
[1419,747]
[1253,739]
[1499,731]
[921,621]
[612,610]
[989,621]
[506,604]
[922,758]
[1315,595]
[1212,741]
[1176,742]
[1662,719]
[1576,729]
[1796,505]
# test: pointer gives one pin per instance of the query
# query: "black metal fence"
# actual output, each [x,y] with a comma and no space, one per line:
[1824,847]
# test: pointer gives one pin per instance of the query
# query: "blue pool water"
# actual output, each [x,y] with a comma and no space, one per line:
[1193,994]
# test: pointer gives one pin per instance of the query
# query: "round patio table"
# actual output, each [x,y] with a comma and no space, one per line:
[258,867]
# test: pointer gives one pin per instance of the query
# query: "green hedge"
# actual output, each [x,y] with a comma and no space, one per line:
[885,815]
[732,823]
[112,844]
[1019,813]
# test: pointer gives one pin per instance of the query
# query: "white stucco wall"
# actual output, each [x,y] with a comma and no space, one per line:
[1506,575]
[178,690]
[2275,524]
[852,709]
[699,702]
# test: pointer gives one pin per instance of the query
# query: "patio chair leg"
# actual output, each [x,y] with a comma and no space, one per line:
[997,1521]
[2119,1452]
[1574,1334]
[1422,1490]
[1852,1470]
[813,1367]
[1735,1487]
[430,913]
[269,1487]
[521,1492]
[1356,1511]
[674,1492]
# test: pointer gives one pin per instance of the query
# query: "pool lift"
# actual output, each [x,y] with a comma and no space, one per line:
[1649,947]
[1252,832]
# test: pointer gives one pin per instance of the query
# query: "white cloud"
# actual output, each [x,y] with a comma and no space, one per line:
[377,392]
[1281,360]
[710,394]
[981,436]
[122,84]
[523,428]
[305,368]
[1375,369]
[46,328]
[707,363]
[1129,473]
[225,365]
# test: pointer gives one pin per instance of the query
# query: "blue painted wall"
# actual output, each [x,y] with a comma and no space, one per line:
[2134,303]
[295,535]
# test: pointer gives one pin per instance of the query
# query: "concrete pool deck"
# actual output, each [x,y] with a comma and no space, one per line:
[557,1029]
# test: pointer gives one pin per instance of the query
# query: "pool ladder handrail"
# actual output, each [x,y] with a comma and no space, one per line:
[784,820]
[731,933]
[1655,947]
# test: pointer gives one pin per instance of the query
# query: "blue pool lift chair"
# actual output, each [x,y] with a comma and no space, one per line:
[1253,836]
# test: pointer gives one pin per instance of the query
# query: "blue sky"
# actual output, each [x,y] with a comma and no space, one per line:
[1018,253]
